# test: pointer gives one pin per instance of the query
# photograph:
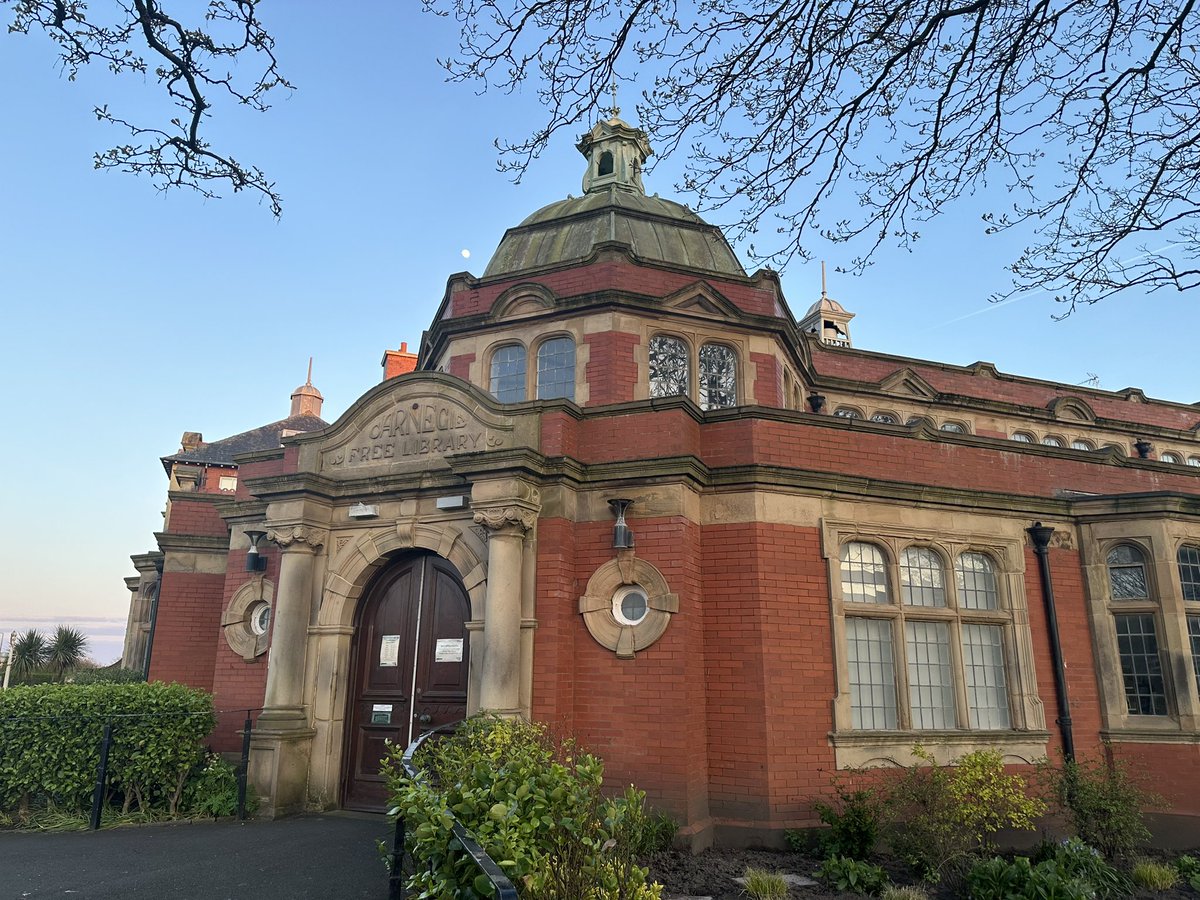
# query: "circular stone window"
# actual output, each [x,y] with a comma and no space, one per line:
[260,618]
[630,605]
[246,622]
[627,605]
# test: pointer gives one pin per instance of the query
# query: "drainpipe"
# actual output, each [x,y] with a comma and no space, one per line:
[1040,535]
[158,566]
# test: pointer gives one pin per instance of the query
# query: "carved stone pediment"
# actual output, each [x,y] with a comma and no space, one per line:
[416,422]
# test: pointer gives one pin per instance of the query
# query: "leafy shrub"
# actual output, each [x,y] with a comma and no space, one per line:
[213,790]
[943,815]
[1073,858]
[998,879]
[1188,868]
[533,804]
[650,832]
[906,892]
[1103,805]
[764,885]
[803,840]
[51,735]
[846,874]
[1154,876]
[106,676]
[854,822]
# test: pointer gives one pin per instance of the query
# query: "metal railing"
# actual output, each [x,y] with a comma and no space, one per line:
[504,889]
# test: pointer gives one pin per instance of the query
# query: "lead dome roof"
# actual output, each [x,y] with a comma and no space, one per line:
[614,208]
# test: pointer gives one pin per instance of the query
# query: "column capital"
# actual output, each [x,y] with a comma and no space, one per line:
[513,519]
[297,537]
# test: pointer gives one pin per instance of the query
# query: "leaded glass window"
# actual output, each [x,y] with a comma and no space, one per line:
[930,686]
[921,581]
[872,673]
[670,375]
[864,574]
[1194,640]
[718,377]
[954,428]
[508,374]
[987,684]
[1193,460]
[1021,437]
[884,418]
[1127,573]
[1189,571]
[1049,441]
[975,576]
[845,412]
[1170,458]
[556,369]
[1141,666]
[1081,445]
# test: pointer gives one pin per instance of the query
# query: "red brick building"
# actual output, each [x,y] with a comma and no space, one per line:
[829,554]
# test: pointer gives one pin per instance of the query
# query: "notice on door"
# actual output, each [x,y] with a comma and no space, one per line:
[389,650]
[381,714]
[448,650]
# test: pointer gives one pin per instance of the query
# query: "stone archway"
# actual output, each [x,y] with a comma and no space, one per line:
[355,558]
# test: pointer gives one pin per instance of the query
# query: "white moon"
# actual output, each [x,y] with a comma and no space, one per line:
[466,254]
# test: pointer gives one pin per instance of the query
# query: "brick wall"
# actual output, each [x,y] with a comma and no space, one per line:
[611,369]
[187,628]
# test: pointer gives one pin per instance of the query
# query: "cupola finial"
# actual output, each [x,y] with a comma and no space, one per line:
[616,152]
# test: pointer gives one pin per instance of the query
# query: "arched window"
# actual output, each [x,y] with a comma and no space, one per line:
[606,164]
[1193,461]
[1051,441]
[508,373]
[718,377]
[1080,444]
[670,375]
[954,427]
[1189,571]
[1170,458]
[921,579]
[975,575]
[846,412]
[864,574]
[1022,437]
[1127,573]
[884,418]
[556,369]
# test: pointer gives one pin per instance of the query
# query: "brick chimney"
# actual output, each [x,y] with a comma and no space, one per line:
[398,362]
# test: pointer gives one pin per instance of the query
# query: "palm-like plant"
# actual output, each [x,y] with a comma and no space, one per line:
[29,653]
[67,649]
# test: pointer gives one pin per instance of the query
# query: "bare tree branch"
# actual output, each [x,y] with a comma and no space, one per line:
[189,62]
[1087,111]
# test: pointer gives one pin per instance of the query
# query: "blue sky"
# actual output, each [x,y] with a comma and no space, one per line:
[131,316]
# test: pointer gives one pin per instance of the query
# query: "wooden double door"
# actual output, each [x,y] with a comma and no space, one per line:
[410,666]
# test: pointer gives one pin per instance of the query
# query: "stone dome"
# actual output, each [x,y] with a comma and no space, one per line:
[654,229]
[614,208]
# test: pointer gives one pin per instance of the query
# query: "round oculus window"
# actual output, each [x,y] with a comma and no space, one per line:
[630,605]
[260,618]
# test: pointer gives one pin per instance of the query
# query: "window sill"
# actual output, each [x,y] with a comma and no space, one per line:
[873,749]
[1152,732]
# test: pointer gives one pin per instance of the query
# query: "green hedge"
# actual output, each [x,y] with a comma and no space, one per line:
[50,738]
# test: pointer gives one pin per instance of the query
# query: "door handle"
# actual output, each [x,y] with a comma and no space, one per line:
[424,718]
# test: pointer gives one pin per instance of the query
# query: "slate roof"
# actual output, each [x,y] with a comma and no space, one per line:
[265,437]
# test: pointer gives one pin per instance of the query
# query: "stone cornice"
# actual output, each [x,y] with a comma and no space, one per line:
[252,456]
[1151,503]
[192,543]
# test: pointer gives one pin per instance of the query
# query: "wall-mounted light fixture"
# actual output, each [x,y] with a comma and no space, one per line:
[816,402]
[255,561]
[622,536]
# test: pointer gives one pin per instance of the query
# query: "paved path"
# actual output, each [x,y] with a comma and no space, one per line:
[321,856]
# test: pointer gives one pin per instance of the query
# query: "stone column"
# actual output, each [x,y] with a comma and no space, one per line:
[282,739]
[500,691]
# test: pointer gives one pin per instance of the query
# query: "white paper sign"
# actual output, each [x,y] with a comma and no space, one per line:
[448,650]
[389,650]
